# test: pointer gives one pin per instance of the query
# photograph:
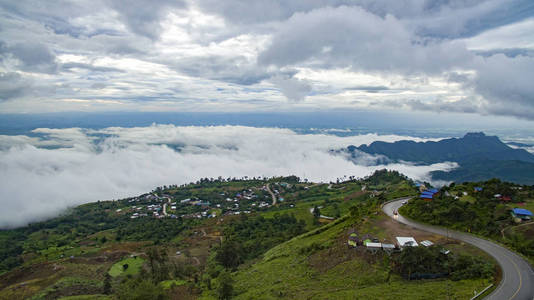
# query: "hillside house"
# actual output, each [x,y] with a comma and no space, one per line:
[403,242]
[427,243]
[521,213]
[373,247]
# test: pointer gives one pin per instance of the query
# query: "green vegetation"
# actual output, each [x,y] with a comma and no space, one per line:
[128,266]
[140,289]
[431,262]
[167,284]
[127,249]
[479,212]
[87,297]
[248,237]
[317,265]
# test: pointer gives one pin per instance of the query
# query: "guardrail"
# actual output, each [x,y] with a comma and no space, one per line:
[482,292]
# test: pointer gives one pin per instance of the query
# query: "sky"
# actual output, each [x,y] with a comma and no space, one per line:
[448,56]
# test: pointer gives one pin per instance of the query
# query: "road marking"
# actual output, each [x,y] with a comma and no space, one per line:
[520,278]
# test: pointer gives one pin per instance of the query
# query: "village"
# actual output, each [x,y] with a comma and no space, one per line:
[222,204]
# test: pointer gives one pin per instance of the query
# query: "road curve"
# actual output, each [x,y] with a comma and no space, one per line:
[518,277]
[272,194]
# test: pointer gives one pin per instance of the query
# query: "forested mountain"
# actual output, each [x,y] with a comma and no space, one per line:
[480,157]
[473,146]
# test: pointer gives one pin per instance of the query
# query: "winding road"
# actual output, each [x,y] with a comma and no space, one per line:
[518,277]
[272,194]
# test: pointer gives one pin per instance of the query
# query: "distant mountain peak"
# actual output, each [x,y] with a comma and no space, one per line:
[474,135]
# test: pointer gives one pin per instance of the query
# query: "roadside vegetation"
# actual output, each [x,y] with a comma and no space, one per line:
[485,211]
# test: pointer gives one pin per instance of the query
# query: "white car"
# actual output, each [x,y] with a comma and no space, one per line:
[404,202]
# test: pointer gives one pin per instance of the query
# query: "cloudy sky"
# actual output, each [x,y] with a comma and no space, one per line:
[474,57]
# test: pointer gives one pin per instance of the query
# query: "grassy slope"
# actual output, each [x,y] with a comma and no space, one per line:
[291,270]
[134,266]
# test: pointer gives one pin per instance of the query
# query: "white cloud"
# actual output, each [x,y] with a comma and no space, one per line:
[516,35]
[112,163]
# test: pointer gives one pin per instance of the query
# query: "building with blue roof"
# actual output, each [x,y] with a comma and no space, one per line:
[522,213]
[426,196]
[478,189]
[433,191]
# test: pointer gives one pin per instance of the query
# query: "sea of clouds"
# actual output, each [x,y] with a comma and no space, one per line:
[50,170]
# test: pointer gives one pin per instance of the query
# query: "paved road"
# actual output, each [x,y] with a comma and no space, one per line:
[518,277]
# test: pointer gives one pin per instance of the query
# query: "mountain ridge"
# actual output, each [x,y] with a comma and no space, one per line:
[473,146]
[480,157]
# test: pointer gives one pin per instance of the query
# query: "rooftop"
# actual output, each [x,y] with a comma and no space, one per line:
[522,211]
[406,241]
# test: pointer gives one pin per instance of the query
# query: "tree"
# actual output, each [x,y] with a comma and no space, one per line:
[225,285]
[107,284]
[316,212]
[140,289]
[228,255]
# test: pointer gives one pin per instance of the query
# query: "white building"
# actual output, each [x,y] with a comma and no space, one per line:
[406,242]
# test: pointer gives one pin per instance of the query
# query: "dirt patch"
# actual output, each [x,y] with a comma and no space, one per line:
[527,230]
[393,229]
[101,258]
[127,246]
[26,274]
[354,195]
[327,259]
[74,290]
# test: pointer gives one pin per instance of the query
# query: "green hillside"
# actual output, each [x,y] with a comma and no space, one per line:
[319,265]
[227,238]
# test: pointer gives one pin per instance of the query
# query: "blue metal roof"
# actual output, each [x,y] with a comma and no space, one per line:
[433,190]
[425,196]
[427,193]
[478,189]
[522,211]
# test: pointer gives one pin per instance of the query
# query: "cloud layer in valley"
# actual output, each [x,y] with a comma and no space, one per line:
[42,176]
